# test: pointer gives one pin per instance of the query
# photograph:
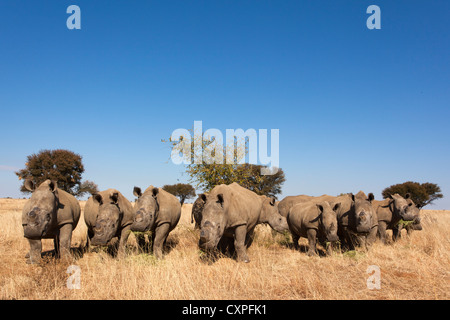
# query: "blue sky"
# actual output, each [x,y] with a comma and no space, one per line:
[357,109]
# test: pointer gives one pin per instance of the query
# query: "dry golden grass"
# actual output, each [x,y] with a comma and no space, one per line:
[414,268]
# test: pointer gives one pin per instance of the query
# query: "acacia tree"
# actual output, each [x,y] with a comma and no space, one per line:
[269,185]
[207,173]
[86,187]
[181,190]
[61,165]
[421,193]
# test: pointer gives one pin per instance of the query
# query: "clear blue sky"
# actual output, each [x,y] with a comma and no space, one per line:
[357,109]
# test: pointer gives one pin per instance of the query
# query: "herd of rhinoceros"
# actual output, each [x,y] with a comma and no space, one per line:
[226,217]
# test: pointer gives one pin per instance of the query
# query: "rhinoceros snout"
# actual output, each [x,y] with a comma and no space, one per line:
[32,231]
[408,217]
[99,242]
[332,238]
[203,237]
[206,242]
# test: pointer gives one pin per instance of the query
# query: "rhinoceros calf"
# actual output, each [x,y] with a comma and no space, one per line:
[230,215]
[357,220]
[410,226]
[157,211]
[197,209]
[395,212]
[391,210]
[50,213]
[108,214]
[313,220]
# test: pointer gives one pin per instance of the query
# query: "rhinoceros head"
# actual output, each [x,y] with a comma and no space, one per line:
[213,221]
[145,209]
[328,218]
[271,215]
[108,219]
[404,207]
[42,209]
[416,225]
[364,212]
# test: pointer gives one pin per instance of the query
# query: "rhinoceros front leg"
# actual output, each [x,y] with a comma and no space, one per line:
[295,238]
[312,234]
[65,240]
[239,243]
[396,232]
[382,231]
[35,251]
[371,237]
[161,233]
[89,236]
[124,234]
[345,238]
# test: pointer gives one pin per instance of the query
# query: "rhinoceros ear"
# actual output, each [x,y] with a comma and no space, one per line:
[352,196]
[272,201]
[97,198]
[115,197]
[203,197]
[371,197]
[320,207]
[220,198]
[137,192]
[408,195]
[155,192]
[337,206]
[29,185]
[53,185]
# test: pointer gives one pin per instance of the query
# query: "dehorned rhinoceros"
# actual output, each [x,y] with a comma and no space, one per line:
[391,211]
[230,215]
[50,213]
[313,220]
[410,226]
[357,219]
[361,219]
[108,214]
[157,211]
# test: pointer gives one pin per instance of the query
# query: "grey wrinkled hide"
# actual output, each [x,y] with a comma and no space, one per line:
[230,215]
[156,211]
[391,211]
[313,220]
[357,220]
[108,214]
[51,213]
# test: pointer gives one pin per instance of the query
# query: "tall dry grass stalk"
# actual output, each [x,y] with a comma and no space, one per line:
[412,268]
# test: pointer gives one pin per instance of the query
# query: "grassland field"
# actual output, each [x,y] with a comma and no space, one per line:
[416,267]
